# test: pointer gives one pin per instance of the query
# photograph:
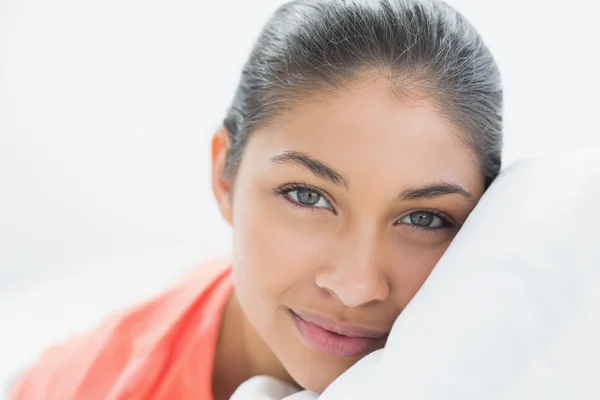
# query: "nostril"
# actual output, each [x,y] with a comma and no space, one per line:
[328,292]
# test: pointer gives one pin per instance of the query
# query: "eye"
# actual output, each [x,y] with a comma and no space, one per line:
[425,219]
[308,198]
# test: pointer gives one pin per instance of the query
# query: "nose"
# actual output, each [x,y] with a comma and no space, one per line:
[357,275]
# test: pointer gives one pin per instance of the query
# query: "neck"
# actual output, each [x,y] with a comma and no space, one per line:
[241,353]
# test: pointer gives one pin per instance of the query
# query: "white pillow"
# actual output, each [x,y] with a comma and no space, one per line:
[512,310]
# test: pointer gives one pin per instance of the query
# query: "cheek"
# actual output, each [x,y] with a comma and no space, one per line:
[412,268]
[274,250]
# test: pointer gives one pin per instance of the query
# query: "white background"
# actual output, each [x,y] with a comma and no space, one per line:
[106,113]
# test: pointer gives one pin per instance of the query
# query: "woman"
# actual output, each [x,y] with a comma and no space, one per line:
[361,136]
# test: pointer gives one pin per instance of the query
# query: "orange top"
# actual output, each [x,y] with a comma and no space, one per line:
[161,349]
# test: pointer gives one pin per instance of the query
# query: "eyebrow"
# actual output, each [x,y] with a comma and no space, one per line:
[434,191]
[319,168]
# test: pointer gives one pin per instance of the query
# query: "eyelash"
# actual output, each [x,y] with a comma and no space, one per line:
[448,222]
[284,191]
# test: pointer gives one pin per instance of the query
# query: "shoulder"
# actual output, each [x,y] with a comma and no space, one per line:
[130,349]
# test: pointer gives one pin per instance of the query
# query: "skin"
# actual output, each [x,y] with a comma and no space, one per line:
[356,255]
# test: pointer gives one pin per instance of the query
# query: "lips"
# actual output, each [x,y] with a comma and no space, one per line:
[336,338]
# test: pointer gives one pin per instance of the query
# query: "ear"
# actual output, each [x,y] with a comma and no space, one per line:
[220,184]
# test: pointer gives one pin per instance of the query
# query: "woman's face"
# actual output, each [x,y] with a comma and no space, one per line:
[340,211]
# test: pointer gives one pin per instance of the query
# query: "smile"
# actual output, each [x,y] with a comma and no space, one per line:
[336,338]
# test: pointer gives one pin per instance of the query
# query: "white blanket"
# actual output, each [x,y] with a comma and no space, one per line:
[512,310]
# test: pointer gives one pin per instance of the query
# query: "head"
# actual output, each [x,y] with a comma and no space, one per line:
[361,136]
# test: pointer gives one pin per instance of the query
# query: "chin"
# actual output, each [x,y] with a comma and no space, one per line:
[313,383]
[317,378]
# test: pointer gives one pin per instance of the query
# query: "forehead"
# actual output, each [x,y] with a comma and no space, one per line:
[368,130]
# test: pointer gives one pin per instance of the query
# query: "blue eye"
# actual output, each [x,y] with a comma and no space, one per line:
[308,197]
[424,219]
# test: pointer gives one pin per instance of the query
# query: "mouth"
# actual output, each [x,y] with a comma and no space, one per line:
[336,338]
